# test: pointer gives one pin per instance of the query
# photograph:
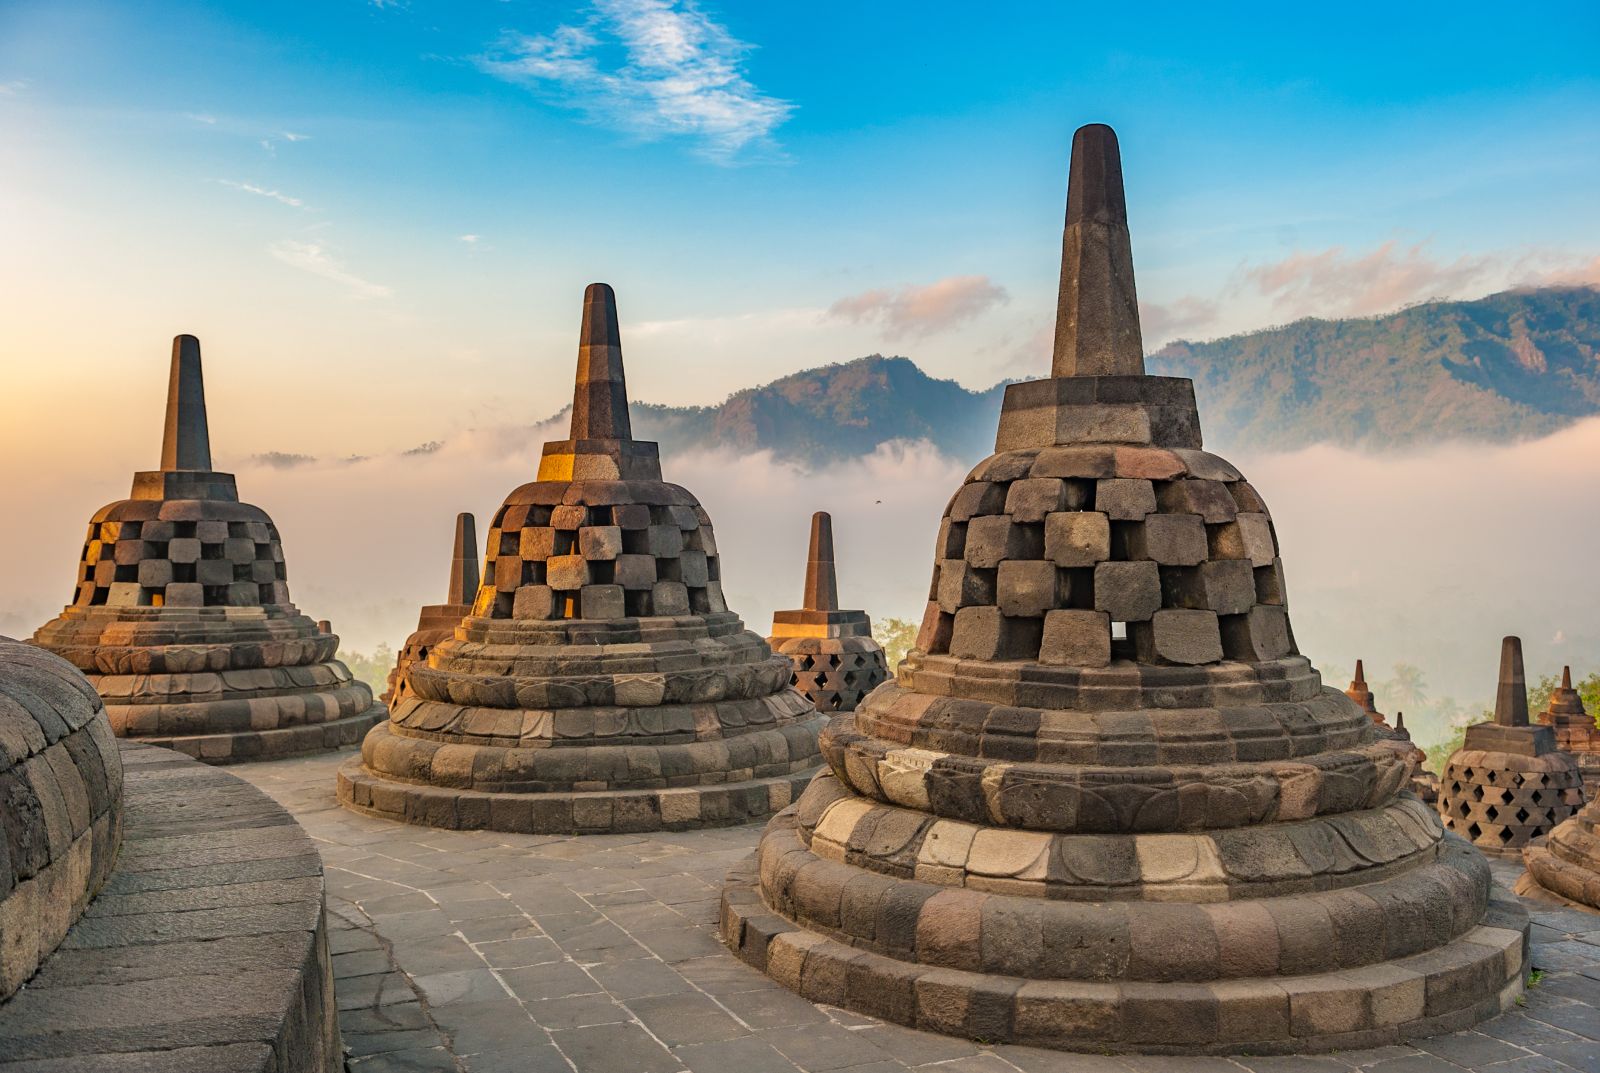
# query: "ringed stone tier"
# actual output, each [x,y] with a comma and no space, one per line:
[1424,783]
[836,662]
[1105,804]
[437,622]
[182,618]
[60,805]
[1509,784]
[1575,732]
[600,682]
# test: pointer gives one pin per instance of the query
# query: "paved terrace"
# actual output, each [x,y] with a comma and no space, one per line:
[494,953]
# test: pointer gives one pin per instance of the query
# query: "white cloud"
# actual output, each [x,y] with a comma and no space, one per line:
[13,87]
[314,257]
[923,310]
[470,240]
[291,136]
[275,195]
[679,73]
[1340,284]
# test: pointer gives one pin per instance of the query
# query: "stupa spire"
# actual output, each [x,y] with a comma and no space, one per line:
[186,440]
[1511,698]
[1097,313]
[1361,676]
[600,399]
[822,584]
[464,562]
[1566,677]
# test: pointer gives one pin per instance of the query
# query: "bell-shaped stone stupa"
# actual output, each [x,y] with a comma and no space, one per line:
[1575,732]
[182,618]
[1105,805]
[1508,784]
[600,682]
[437,622]
[836,661]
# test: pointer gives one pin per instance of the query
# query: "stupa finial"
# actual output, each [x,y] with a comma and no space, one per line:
[1566,677]
[600,399]
[1361,675]
[186,440]
[1097,313]
[822,584]
[1511,698]
[464,561]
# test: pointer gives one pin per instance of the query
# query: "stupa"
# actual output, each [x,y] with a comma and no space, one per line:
[1508,784]
[437,622]
[182,618]
[1575,732]
[836,662]
[1424,783]
[600,682]
[1105,804]
[1362,696]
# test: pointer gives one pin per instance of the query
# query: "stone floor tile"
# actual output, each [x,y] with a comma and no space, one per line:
[816,1048]
[544,1058]
[1578,1018]
[1414,1063]
[498,1025]
[389,1018]
[1039,1060]
[580,1011]
[1295,1063]
[561,979]
[615,1048]
[516,953]
[686,1018]
[470,985]
[360,963]
[639,979]
[746,1054]
[1471,1048]
[431,1060]
[362,1044]
[782,1008]
[1582,1055]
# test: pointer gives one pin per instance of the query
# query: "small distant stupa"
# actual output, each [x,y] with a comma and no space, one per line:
[437,622]
[1424,783]
[600,682]
[1575,732]
[182,618]
[836,662]
[1508,784]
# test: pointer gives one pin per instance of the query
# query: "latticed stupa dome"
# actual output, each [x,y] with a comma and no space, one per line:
[437,622]
[1105,803]
[60,805]
[1575,732]
[600,683]
[182,617]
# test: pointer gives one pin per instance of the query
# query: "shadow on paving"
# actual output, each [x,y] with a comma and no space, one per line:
[491,953]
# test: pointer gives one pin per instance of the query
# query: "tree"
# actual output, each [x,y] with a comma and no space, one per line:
[374,669]
[897,636]
[1408,688]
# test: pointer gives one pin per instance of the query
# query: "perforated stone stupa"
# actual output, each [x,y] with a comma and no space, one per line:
[1508,784]
[600,682]
[1575,732]
[836,662]
[1105,804]
[182,620]
[437,622]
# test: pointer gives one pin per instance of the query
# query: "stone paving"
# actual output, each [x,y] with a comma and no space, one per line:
[490,952]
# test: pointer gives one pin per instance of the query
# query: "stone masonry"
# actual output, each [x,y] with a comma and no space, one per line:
[836,662]
[181,617]
[1575,732]
[437,622]
[1424,783]
[600,682]
[1105,804]
[1508,784]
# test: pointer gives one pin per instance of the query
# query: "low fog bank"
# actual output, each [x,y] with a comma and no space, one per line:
[1423,559]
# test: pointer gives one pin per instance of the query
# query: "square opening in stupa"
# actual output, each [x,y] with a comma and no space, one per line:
[1105,804]
[181,616]
[600,683]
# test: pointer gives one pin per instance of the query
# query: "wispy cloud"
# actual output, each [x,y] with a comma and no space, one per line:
[13,87]
[275,195]
[470,240]
[315,257]
[923,310]
[1337,282]
[678,73]
[282,459]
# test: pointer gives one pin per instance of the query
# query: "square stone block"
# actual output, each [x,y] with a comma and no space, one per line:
[951,542]
[1269,584]
[155,573]
[985,633]
[975,499]
[1168,539]
[1026,588]
[669,598]
[600,543]
[213,572]
[631,516]
[694,568]
[1077,538]
[507,573]
[534,602]
[1209,499]
[993,538]
[1261,634]
[1029,500]
[239,549]
[568,516]
[127,552]
[183,550]
[211,531]
[1256,531]
[567,573]
[601,601]
[1226,586]
[635,571]
[664,541]
[1124,499]
[1076,639]
[537,544]
[184,594]
[934,634]
[961,585]
[1179,636]
[1128,592]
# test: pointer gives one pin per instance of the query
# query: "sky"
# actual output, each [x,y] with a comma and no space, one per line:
[379,218]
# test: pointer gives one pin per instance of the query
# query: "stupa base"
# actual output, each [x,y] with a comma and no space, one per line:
[1478,975]
[276,744]
[1564,869]
[580,813]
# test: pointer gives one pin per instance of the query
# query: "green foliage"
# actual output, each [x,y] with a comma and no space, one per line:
[897,636]
[374,669]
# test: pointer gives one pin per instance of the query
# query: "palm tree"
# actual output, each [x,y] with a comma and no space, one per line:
[1408,689]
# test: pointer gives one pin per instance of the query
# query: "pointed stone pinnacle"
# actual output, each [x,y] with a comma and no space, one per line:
[1361,675]
[1566,678]
[1400,722]
[1511,698]
[600,398]
[464,562]
[186,440]
[1097,313]
[822,585]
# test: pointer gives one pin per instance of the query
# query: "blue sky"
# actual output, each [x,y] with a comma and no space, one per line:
[404,200]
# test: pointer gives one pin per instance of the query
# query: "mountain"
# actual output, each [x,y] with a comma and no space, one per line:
[1501,368]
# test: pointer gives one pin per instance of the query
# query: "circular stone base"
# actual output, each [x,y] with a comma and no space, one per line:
[596,812]
[1476,976]
[275,744]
